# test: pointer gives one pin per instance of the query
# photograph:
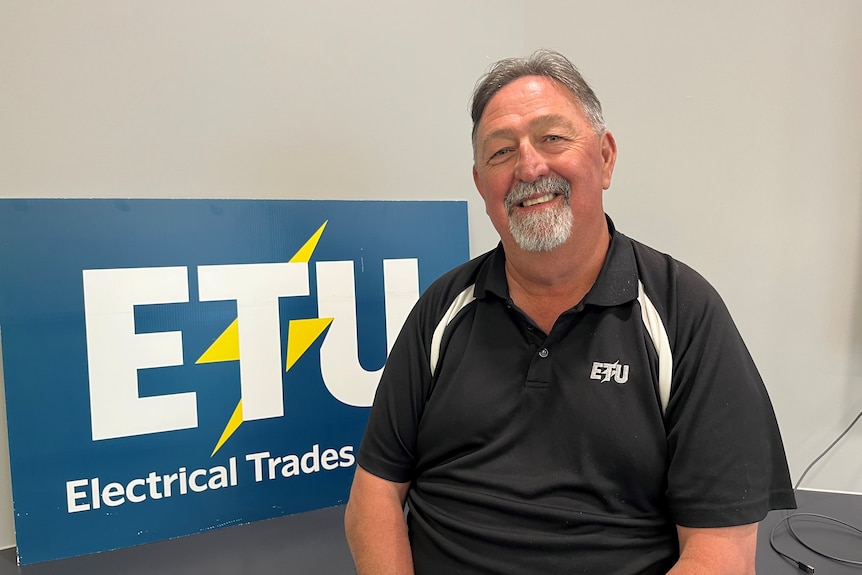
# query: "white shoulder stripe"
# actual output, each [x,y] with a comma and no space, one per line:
[655,328]
[463,300]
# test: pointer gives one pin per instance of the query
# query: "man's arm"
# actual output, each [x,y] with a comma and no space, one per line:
[375,526]
[716,550]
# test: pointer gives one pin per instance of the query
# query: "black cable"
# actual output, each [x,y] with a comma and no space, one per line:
[787,519]
[799,564]
[828,520]
[825,451]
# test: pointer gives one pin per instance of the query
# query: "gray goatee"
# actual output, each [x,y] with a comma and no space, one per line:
[544,229]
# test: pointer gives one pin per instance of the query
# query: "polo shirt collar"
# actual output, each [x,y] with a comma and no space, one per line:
[617,282]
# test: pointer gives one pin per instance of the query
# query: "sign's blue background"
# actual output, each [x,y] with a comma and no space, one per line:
[45,245]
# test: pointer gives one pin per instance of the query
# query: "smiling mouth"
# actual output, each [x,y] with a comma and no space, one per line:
[536,201]
[542,191]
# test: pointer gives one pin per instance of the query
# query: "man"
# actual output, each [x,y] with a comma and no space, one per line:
[572,401]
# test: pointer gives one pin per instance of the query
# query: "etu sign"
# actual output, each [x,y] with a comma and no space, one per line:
[210,361]
[115,352]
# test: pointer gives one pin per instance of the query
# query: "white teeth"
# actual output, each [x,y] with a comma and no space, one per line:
[539,200]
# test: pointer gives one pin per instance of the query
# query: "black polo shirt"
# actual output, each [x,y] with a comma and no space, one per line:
[561,452]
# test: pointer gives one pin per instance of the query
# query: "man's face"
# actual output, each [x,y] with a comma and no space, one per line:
[540,167]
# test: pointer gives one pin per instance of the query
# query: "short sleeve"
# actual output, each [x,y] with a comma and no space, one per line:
[727,464]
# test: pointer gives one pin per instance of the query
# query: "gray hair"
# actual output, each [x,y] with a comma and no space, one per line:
[546,63]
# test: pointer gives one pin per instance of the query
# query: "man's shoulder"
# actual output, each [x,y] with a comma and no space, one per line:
[681,294]
[452,285]
[661,272]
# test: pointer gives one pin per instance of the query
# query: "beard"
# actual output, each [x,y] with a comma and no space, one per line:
[545,229]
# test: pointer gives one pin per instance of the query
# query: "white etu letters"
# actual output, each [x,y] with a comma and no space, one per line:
[115,352]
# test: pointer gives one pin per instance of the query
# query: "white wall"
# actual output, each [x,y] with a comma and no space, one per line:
[740,153]
[740,138]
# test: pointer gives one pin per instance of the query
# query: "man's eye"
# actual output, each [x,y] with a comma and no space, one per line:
[500,153]
[553,138]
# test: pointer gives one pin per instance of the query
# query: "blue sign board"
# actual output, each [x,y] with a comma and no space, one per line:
[175,366]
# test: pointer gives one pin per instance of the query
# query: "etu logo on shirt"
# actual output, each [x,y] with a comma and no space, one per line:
[605,371]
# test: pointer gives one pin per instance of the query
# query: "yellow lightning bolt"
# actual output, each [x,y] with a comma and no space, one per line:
[301,334]
[225,347]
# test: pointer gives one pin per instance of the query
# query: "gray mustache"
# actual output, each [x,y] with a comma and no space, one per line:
[523,190]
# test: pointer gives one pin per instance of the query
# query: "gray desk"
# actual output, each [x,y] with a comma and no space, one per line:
[313,544]
[310,543]
[827,538]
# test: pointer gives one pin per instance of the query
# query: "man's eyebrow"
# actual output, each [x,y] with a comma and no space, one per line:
[540,122]
[501,133]
[553,120]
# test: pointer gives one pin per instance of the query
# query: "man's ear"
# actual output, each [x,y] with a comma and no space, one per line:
[476,182]
[609,157]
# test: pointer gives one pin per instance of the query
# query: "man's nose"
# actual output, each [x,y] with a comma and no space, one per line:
[531,164]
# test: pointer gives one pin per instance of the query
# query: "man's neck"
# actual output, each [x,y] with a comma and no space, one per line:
[545,284]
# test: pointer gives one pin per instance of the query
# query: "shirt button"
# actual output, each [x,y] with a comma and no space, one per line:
[543,352]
